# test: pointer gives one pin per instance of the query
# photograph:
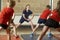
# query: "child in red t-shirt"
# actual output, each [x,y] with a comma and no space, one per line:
[52,22]
[6,16]
[43,16]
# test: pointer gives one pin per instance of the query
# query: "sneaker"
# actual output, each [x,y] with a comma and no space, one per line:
[32,34]
[17,36]
[50,35]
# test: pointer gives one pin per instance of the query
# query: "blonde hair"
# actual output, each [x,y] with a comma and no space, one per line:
[27,5]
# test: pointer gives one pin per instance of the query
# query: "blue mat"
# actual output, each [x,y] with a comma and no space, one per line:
[28,37]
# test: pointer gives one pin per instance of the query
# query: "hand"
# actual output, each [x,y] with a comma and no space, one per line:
[28,19]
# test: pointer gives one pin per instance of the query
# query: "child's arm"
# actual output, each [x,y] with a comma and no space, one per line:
[13,20]
[32,17]
[13,16]
[9,21]
[35,27]
[25,17]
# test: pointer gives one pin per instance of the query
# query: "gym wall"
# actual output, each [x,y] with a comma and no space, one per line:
[37,6]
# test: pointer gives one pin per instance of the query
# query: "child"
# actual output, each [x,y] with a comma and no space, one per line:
[6,15]
[43,16]
[52,22]
[25,16]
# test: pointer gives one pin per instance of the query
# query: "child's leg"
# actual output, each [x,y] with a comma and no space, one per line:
[15,31]
[35,28]
[49,30]
[44,30]
[8,34]
[58,29]
[32,26]
[18,25]
[49,33]
[54,35]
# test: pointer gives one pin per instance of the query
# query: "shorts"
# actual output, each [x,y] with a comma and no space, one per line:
[52,23]
[40,21]
[4,26]
[22,20]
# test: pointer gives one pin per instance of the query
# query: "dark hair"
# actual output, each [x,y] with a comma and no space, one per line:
[12,3]
[58,9]
[58,2]
[48,6]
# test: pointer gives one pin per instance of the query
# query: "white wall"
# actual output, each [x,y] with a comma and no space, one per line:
[17,18]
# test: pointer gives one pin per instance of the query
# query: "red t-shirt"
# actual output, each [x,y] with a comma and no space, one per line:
[5,15]
[45,14]
[55,16]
